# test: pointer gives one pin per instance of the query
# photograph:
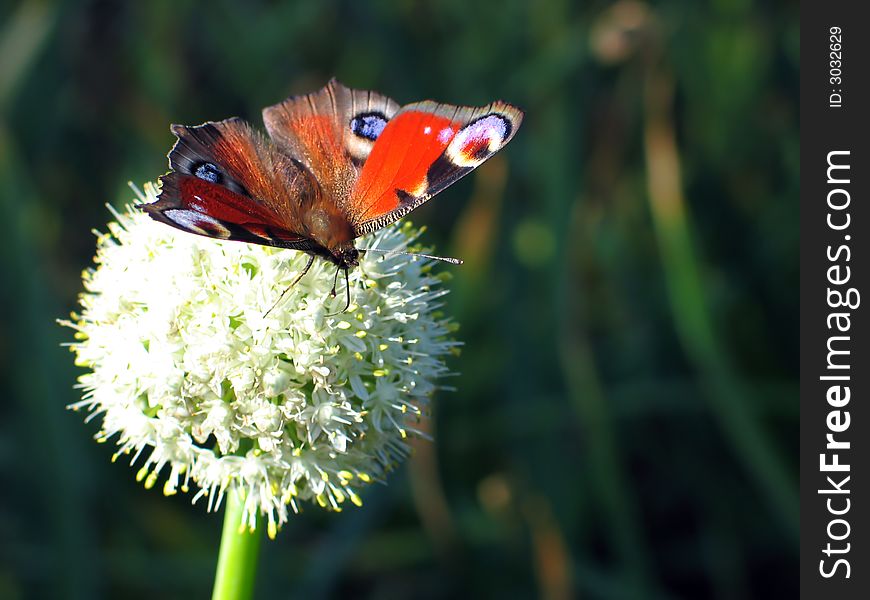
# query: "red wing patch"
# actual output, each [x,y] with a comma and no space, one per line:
[198,206]
[221,203]
[421,151]
[409,144]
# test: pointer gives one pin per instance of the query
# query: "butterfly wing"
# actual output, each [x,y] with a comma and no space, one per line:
[351,154]
[423,149]
[331,132]
[228,182]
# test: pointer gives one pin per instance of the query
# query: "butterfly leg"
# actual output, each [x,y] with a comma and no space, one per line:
[332,292]
[292,283]
[346,286]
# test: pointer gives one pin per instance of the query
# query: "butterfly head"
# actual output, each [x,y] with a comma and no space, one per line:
[346,256]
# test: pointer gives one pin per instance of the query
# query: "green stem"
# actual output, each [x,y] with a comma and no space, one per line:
[237,561]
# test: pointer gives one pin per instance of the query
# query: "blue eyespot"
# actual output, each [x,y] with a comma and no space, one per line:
[208,171]
[368,125]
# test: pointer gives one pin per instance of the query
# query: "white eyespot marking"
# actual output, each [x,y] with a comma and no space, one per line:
[358,147]
[362,132]
[478,140]
[197,223]
[420,188]
[427,130]
[445,134]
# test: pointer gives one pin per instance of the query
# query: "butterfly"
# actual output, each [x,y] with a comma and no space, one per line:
[337,164]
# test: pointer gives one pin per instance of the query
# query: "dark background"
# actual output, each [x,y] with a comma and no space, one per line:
[625,424]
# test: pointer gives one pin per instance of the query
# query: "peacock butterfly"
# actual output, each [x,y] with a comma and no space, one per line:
[338,163]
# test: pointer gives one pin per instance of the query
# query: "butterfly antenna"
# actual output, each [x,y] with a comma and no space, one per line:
[447,259]
[292,283]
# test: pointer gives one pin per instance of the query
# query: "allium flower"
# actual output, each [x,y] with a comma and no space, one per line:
[193,381]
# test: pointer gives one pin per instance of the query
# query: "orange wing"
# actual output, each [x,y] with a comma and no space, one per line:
[331,132]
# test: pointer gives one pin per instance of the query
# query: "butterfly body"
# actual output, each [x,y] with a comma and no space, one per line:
[338,163]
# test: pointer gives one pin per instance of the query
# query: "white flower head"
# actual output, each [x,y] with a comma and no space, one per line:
[193,380]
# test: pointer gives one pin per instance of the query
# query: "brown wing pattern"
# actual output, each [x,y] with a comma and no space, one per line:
[229,182]
[331,132]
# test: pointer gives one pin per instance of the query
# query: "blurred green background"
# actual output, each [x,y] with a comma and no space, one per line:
[625,424]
